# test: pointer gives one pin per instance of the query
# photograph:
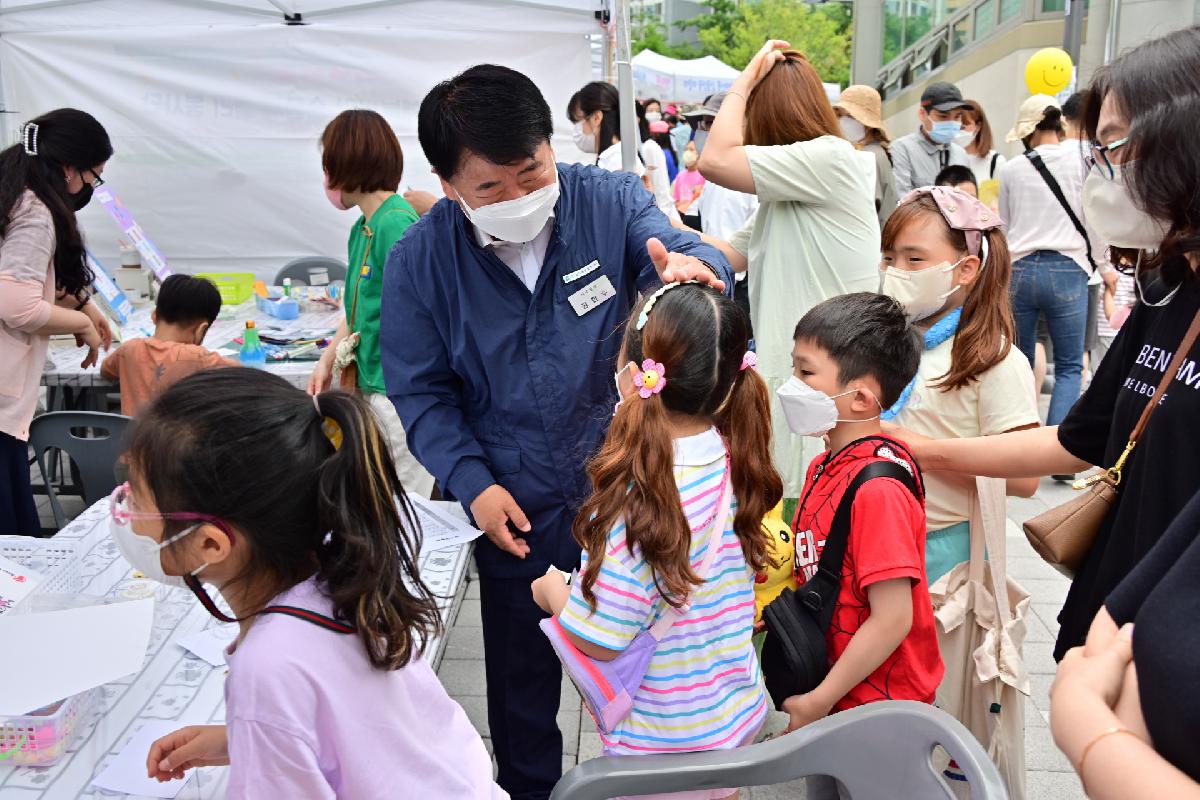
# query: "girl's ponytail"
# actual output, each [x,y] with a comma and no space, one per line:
[368,562]
[633,480]
[745,422]
[986,332]
[699,337]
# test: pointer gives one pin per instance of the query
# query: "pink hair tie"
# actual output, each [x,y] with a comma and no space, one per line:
[749,360]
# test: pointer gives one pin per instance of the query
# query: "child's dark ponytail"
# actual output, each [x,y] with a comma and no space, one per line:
[308,484]
[369,563]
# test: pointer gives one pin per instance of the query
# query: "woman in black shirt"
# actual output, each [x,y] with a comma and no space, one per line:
[1129,718]
[1140,195]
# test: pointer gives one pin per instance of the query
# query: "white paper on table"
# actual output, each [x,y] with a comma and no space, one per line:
[62,653]
[439,529]
[209,644]
[16,582]
[127,772]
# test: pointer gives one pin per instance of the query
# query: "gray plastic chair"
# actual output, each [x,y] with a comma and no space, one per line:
[312,271]
[878,751]
[94,449]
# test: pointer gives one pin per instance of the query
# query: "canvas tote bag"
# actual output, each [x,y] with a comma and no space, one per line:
[980,615]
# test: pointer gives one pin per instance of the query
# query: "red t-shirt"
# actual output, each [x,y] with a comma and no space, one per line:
[887,541]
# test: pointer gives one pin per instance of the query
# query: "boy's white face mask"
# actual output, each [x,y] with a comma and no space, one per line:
[811,412]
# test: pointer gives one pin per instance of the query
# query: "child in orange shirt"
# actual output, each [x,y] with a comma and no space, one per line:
[145,367]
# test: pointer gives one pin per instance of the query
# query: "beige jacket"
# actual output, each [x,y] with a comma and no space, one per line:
[26,298]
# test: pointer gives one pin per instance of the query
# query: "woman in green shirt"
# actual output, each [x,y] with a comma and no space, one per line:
[363,165]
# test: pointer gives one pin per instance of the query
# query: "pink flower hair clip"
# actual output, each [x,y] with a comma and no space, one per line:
[651,379]
[749,360]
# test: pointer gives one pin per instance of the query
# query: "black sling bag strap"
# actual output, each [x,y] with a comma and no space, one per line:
[794,654]
[819,594]
[1040,166]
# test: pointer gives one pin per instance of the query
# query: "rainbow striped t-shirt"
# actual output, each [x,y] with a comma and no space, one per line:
[703,689]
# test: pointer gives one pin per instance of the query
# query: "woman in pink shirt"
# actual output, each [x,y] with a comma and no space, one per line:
[44,280]
[290,506]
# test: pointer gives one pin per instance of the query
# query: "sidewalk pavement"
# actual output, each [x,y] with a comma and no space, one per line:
[1050,776]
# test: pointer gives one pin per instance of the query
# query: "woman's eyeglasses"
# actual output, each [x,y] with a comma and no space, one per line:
[1097,157]
[96,180]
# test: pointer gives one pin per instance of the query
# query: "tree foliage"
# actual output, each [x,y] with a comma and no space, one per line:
[733,32]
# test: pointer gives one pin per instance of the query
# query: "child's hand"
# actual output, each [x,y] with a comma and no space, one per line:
[195,746]
[804,709]
[550,592]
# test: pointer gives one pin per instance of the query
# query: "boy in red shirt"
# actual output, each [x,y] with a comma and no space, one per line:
[853,357]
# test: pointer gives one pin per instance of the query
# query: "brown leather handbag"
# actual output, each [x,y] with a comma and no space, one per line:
[1063,536]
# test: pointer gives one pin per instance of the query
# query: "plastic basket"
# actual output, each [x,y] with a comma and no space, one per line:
[55,560]
[235,287]
[280,308]
[41,738]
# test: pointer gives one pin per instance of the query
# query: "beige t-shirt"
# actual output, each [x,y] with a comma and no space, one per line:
[1000,400]
[815,236]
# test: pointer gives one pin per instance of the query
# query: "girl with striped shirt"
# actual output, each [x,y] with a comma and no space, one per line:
[693,416]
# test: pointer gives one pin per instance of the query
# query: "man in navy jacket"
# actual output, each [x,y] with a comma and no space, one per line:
[503,313]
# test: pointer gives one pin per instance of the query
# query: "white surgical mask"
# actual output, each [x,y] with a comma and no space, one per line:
[852,129]
[1111,211]
[810,412]
[586,142]
[701,138]
[964,138]
[923,293]
[145,555]
[517,221]
[653,116]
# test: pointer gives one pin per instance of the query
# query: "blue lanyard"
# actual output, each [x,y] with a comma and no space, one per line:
[939,333]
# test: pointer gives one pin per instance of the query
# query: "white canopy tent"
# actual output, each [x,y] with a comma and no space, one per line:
[685,80]
[215,108]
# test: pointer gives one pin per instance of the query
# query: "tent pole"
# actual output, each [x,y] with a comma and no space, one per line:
[609,75]
[629,133]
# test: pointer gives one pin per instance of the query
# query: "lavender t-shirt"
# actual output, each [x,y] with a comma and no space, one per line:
[308,716]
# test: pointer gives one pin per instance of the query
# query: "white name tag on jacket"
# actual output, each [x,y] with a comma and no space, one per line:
[594,294]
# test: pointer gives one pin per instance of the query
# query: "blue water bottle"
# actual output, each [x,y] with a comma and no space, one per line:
[252,354]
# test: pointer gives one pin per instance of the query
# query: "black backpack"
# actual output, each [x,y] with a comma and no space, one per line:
[795,658]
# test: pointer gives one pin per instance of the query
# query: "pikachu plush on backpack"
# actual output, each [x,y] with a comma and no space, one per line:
[779,573]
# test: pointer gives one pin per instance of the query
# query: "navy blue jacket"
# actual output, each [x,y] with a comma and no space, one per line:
[495,384]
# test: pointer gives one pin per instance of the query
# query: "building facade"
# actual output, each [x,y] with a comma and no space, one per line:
[983,45]
[670,12]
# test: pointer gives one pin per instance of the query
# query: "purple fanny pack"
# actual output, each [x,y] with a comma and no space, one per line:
[608,687]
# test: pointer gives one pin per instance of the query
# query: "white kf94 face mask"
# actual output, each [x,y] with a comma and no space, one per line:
[145,555]
[517,221]
[810,412]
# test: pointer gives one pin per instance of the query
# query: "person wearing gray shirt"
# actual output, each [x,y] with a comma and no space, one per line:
[918,157]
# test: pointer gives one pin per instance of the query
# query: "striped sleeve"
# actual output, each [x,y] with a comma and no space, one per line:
[623,605]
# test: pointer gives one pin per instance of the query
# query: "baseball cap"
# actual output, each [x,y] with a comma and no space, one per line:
[712,104]
[1031,113]
[942,96]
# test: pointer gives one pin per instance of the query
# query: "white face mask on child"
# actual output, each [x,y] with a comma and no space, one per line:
[145,555]
[922,292]
[811,412]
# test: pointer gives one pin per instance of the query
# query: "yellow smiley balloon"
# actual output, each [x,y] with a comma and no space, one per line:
[1048,71]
